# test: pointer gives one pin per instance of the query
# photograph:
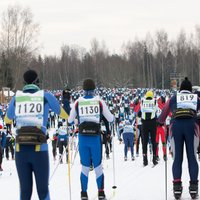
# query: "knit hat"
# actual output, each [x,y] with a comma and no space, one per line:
[186,85]
[66,93]
[88,84]
[30,76]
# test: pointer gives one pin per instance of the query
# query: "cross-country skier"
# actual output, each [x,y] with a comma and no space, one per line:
[89,109]
[10,140]
[148,115]
[54,144]
[63,140]
[2,145]
[184,129]
[127,133]
[106,136]
[160,131]
[30,108]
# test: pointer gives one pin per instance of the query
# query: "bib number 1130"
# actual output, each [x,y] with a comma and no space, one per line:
[89,110]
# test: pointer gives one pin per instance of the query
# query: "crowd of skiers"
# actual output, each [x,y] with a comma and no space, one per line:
[140,118]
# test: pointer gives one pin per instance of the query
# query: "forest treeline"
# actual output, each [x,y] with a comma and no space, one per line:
[141,63]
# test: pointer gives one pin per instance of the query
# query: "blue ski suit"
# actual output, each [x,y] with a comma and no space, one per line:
[90,109]
[183,129]
[128,137]
[33,158]
[2,145]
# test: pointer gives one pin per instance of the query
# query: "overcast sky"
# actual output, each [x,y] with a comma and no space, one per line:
[113,21]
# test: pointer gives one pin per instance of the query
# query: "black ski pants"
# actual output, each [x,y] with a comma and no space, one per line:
[148,129]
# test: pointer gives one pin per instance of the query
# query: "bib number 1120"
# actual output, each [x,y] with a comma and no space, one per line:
[29,108]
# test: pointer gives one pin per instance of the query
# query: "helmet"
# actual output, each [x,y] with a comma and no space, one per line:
[149,94]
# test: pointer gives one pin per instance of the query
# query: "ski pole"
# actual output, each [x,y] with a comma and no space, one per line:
[70,139]
[50,140]
[166,166]
[75,154]
[114,186]
[137,136]
[69,168]
[54,171]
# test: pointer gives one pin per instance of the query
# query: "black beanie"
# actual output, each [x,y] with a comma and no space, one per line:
[88,84]
[186,85]
[66,94]
[30,76]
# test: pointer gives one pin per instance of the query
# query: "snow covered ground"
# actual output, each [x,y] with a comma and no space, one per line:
[133,181]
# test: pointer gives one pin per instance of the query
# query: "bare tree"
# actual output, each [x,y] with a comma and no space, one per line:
[197,33]
[99,54]
[162,49]
[18,38]
[150,47]
[181,46]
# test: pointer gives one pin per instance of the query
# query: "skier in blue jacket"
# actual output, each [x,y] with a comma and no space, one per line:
[127,133]
[184,129]
[2,145]
[89,109]
[63,141]
[30,108]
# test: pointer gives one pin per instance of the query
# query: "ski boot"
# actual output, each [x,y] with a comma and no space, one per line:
[193,189]
[1,169]
[84,196]
[125,158]
[91,167]
[155,162]
[60,159]
[101,195]
[164,157]
[145,160]
[157,158]
[177,189]
[133,158]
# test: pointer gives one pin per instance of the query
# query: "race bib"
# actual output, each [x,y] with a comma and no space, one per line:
[29,108]
[139,121]
[167,121]
[116,115]
[187,101]
[158,112]
[89,111]
[148,106]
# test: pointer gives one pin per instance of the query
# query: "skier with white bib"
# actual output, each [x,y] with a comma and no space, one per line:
[184,130]
[89,109]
